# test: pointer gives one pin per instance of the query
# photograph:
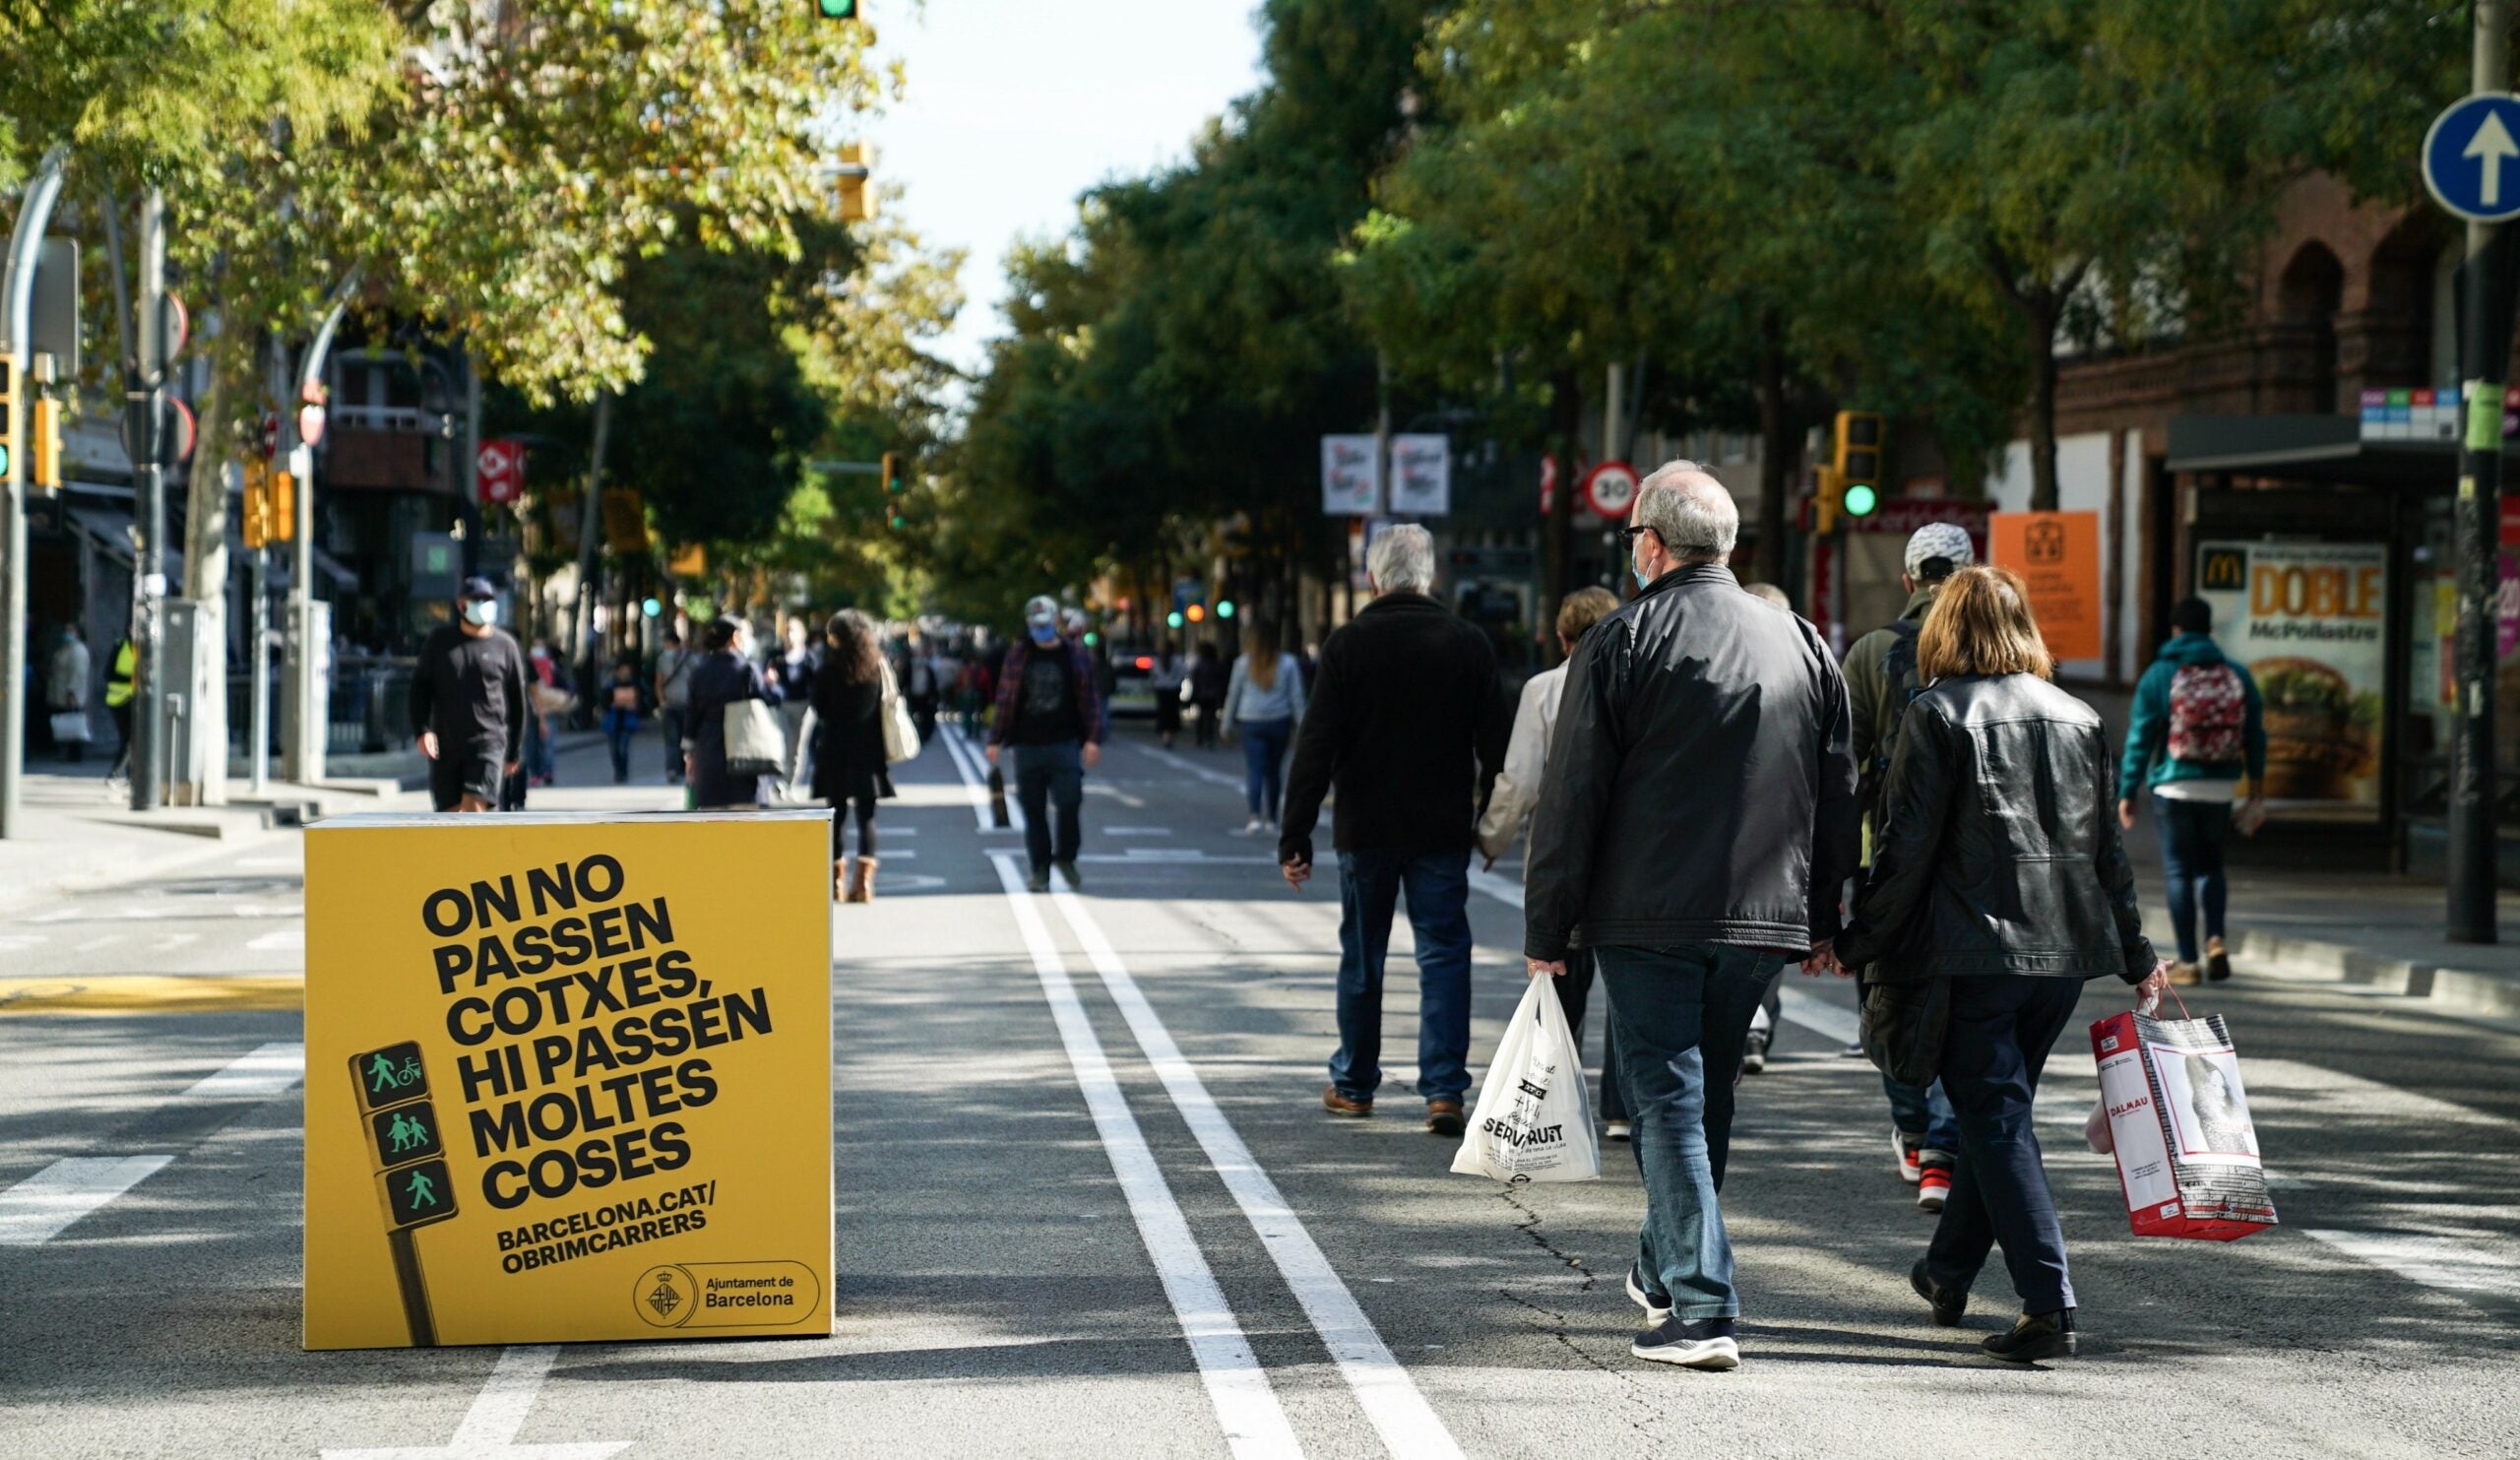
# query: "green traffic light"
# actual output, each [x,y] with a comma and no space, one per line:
[4,457]
[1225,607]
[839,10]
[1861,499]
[651,608]
[1172,620]
[1093,639]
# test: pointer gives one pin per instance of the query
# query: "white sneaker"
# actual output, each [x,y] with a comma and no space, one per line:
[1252,828]
[1614,1130]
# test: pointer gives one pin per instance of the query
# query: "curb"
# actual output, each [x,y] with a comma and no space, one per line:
[2443,990]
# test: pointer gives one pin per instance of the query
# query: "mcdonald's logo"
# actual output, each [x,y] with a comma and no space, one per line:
[2223,570]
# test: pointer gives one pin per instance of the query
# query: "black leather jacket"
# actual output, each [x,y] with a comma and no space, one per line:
[1998,849]
[1700,785]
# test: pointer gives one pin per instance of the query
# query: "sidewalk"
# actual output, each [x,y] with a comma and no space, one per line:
[73,834]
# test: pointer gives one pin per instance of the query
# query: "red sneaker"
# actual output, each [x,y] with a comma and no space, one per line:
[1934,1187]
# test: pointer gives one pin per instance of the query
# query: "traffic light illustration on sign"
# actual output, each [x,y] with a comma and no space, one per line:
[417,1195]
[404,1133]
[412,1182]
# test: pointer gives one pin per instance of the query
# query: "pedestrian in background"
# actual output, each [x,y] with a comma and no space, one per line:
[2198,725]
[469,704]
[724,676]
[1050,707]
[1407,722]
[122,683]
[1206,686]
[1881,681]
[1263,703]
[553,696]
[1164,681]
[1699,826]
[625,701]
[65,693]
[790,666]
[1998,868]
[1518,792]
[674,699]
[849,771]
[1763,1024]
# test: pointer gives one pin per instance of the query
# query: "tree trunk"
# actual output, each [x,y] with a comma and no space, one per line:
[590,539]
[1558,556]
[231,355]
[2040,311]
[1775,450]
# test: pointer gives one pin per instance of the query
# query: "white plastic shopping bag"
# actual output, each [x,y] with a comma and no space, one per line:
[1533,1122]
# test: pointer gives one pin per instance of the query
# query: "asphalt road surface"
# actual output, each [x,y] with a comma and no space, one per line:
[1089,1205]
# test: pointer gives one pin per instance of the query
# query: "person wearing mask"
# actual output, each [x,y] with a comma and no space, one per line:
[1206,688]
[469,704]
[674,663]
[1881,681]
[850,770]
[65,693]
[1699,826]
[1263,703]
[624,701]
[1518,792]
[1049,709]
[1997,869]
[1409,723]
[1165,680]
[2198,725]
[724,676]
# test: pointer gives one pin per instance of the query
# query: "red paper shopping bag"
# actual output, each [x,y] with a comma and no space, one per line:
[2188,1152]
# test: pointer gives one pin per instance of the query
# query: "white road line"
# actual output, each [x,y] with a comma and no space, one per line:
[173,942]
[266,1072]
[1109,792]
[93,944]
[972,764]
[286,940]
[2435,1261]
[1399,1414]
[1817,1015]
[37,1209]
[490,1427]
[1137,831]
[1247,1405]
[1192,768]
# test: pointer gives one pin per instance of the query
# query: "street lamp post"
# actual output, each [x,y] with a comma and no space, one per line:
[25,245]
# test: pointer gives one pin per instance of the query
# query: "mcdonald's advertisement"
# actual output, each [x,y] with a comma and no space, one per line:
[2310,623]
[568,1077]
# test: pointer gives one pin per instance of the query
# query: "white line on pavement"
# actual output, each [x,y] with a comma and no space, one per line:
[39,1208]
[2435,1261]
[1192,768]
[1408,1425]
[286,940]
[972,765]
[490,1427]
[269,1070]
[1246,1406]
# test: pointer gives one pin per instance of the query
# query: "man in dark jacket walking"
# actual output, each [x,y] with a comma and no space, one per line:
[1701,824]
[1408,721]
[468,704]
[1050,707]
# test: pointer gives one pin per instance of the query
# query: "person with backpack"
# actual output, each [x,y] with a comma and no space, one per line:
[1881,683]
[2196,728]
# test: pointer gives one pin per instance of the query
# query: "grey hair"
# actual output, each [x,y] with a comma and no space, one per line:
[1401,559]
[1690,511]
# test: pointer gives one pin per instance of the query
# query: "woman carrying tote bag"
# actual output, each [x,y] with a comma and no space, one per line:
[729,693]
[851,706]
[1998,885]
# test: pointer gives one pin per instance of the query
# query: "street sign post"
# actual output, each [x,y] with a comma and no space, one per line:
[2472,157]
[1609,489]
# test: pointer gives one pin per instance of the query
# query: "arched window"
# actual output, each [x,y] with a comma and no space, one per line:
[2307,298]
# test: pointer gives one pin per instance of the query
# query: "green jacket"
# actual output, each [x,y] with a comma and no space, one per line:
[1876,720]
[2148,724]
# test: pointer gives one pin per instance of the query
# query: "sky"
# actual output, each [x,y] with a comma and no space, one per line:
[1016,106]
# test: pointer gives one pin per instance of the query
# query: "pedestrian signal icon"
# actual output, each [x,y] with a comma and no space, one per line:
[391,1075]
[404,1133]
[416,1195]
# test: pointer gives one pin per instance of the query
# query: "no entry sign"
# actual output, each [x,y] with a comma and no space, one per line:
[499,472]
[568,1077]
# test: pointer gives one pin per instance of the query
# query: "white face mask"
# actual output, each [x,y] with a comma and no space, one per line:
[481,613]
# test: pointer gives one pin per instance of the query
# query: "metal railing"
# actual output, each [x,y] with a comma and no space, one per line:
[368,706]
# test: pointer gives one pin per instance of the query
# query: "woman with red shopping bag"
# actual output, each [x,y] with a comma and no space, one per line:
[1998,885]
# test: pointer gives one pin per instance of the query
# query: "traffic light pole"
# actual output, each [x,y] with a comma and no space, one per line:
[145,408]
[2486,353]
[17,322]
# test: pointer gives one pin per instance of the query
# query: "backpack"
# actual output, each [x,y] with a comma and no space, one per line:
[2207,710]
[1902,685]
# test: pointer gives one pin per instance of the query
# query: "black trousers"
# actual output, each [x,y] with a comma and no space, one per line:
[2002,1026]
[863,807]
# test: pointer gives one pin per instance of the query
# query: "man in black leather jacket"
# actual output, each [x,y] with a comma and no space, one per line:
[1701,825]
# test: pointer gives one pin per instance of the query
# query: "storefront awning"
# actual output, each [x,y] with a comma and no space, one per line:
[2326,449]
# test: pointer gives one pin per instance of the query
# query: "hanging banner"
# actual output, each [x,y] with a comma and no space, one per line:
[2310,623]
[1350,475]
[2057,555]
[568,1077]
[1422,475]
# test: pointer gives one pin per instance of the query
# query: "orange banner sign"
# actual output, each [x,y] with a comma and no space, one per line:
[2057,553]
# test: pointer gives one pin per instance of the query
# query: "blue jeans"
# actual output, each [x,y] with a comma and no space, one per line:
[620,731]
[2192,838]
[1677,1013]
[1923,1112]
[2001,1028]
[1263,751]
[1047,776]
[671,719]
[1439,888]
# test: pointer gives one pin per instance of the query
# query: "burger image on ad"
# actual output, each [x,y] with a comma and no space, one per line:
[2319,734]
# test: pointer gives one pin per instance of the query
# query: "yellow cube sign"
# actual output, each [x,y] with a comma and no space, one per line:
[567,1077]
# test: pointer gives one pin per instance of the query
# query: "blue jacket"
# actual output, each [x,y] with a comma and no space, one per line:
[2147,762]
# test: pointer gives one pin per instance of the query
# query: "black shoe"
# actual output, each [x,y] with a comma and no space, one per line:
[1707,1343]
[1948,1307]
[1067,869]
[1039,881]
[1656,1308]
[2035,1336]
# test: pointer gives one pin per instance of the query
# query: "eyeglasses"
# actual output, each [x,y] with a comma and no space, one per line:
[1630,535]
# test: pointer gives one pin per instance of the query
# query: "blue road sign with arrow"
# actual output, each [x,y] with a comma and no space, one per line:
[2472,157]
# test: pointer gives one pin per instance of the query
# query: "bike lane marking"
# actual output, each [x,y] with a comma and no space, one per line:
[490,1427]
[1399,1414]
[1255,1423]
